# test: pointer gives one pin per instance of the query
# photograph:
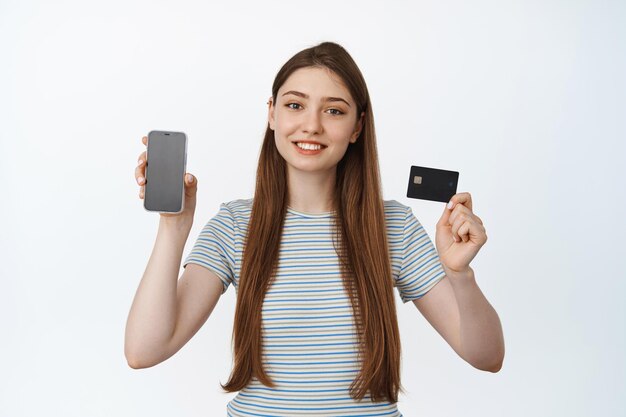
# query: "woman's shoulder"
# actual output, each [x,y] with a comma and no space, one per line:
[238,209]
[239,204]
[394,209]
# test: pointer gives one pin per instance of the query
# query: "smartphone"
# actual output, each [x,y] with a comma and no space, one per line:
[432,184]
[166,165]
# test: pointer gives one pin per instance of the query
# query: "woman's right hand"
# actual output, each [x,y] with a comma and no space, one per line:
[191,187]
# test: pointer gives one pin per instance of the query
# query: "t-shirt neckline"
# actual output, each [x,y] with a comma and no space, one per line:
[303,213]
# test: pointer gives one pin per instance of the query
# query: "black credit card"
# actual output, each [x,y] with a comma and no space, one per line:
[432,184]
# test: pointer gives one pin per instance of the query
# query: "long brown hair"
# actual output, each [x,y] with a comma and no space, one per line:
[359,237]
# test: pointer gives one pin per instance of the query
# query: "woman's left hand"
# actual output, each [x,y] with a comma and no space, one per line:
[460,234]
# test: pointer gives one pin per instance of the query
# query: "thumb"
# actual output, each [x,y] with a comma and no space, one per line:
[443,221]
[190,183]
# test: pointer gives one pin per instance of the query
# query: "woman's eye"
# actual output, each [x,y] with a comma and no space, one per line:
[338,112]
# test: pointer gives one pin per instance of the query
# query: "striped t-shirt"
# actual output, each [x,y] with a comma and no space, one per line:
[308,332]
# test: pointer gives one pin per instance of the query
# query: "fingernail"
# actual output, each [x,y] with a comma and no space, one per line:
[450,204]
[140,162]
[189,178]
[140,180]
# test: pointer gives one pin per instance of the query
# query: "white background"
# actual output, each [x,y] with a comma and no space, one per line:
[526,99]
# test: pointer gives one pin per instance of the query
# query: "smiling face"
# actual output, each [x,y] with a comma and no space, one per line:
[313,106]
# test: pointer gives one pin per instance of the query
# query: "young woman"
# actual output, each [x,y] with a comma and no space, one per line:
[314,258]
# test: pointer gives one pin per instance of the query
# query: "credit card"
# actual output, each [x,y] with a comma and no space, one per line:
[432,184]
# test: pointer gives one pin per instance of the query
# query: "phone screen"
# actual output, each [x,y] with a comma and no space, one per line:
[166,162]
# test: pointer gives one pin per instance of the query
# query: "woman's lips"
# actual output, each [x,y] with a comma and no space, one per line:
[307,151]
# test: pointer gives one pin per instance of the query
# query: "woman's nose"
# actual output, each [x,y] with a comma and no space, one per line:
[312,123]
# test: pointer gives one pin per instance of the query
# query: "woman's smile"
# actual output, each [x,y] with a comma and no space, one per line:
[309,148]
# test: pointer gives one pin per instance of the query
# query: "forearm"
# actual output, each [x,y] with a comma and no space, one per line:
[152,316]
[482,340]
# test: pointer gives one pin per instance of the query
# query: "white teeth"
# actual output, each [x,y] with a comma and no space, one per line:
[309,146]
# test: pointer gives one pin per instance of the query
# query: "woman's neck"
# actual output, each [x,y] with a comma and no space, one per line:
[311,192]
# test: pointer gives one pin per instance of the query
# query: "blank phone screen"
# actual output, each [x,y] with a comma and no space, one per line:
[166,155]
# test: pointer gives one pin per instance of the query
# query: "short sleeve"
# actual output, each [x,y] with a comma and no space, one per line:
[420,267]
[215,246]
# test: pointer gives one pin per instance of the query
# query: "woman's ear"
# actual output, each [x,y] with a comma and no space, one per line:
[270,113]
[358,128]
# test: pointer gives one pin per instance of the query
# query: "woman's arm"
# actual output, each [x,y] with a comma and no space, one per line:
[458,310]
[166,312]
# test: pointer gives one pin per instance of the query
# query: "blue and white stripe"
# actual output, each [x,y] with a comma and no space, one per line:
[309,337]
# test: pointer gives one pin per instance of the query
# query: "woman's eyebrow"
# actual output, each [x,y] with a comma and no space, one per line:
[298,93]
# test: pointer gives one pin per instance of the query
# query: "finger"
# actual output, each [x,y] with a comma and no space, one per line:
[477,232]
[139,175]
[145,140]
[456,225]
[444,220]
[141,192]
[470,230]
[140,169]
[457,211]
[464,231]
[460,198]
[191,185]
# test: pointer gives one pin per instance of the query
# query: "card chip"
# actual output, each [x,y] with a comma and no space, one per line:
[417,179]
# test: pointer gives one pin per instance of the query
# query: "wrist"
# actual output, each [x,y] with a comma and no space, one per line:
[464,275]
[175,225]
